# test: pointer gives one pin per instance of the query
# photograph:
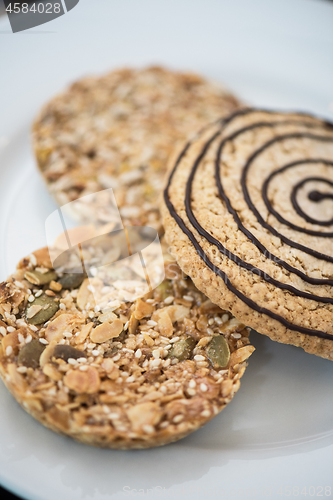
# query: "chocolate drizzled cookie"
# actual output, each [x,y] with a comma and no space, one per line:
[248,214]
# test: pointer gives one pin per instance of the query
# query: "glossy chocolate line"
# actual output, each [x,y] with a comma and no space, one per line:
[293,198]
[317,195]
[252,207]
[250,303]
[240,262]
[314,196]
[250,236]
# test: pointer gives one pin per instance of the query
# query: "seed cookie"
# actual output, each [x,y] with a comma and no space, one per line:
[128,375]
[117,131]
[248,215]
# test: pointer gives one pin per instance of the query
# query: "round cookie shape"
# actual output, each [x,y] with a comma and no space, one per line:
[132,375]
[118,130]
[248,215]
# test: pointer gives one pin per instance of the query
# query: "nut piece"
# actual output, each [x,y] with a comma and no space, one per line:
[241,354]
[106,331]
[182,349]
[144,414]
[56,329]
[84,296]
[37,278]
[30,353]
[142,309]
[47,307]
[87,382]
[218,351]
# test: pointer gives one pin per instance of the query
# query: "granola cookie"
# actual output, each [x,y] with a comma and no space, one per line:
[130,375]
[248,215]
[117,131]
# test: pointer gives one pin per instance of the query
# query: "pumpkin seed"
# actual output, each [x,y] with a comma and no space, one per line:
[111,352]
[71,280]
[37,278]
[30,353]
[218,351]
[48,309]
[67,351]
[182,349]
[164,289]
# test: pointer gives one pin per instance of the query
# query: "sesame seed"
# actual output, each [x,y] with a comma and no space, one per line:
[31,298]
[225,318]
[218,320]
[156,362]
[211,321]
[9,350]
[175,339]
[150,322]
[130,379]
[71,361]
[91,345]
[150,301]
[114,416]
[39,293]
[203,388]
[22,369]
[97,309]
[178,418]
[126,325]
[33,328]
[28,338]
[68,335]
[156,353]
[236,335]
[191,392]
[43,341]
[188,297]
[83,368]
[95,352]
[192,383]
[149,429]
[205,413]
[199,357]
[163,425]
[201,364]
[91,314]
[10,329]
[169,299]
[3,330]
[20,338]
[62,306]
[210,331]
[138,353]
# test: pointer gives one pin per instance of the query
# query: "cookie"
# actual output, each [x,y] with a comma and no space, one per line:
[117,131]
[129,375]
[248,215]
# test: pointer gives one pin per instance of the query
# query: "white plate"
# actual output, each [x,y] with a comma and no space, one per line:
[276,438]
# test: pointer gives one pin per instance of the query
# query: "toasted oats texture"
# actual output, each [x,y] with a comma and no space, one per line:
[128,375]
[119,130]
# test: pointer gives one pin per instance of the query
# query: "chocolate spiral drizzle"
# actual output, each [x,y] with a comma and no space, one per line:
[315,127]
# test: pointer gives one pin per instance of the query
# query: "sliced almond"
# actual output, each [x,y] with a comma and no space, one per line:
[142,309]
[241,355]
[86,329]
[144,414]
[106,331]
[87,382]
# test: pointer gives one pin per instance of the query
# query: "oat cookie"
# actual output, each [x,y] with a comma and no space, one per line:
[130,375]
[118,130]
[248,215]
